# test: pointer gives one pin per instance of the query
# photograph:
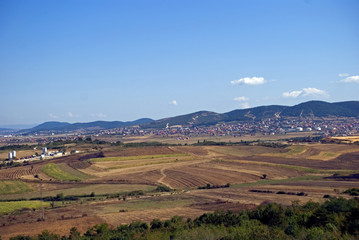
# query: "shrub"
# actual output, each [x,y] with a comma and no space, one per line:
[352,191]
[162,188]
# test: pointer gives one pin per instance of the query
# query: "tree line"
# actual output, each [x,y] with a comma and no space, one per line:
[336,218]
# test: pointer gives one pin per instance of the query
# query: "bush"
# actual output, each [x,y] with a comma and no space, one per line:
[162,188]
[352,191]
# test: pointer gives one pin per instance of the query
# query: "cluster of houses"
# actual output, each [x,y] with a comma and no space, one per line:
[273,126]
[327,127]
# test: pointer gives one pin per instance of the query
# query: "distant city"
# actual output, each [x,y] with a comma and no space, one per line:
[315,117]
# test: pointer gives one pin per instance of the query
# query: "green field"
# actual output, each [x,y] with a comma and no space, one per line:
[8,207]
[14,187]
[293,151]
[66,168]
[98,189]
[110,159]
[146,163]
[52,170]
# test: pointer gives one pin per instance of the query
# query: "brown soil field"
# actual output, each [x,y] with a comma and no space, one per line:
[124,152]
[241,166]
[19,154]
[349,161]
[59,221]
[194,139]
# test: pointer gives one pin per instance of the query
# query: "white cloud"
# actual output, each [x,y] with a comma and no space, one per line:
[174,103]
[53,116]
[314,92]
[249,81]
[241,99]
[343,74]
[306,92]
[292,94]
[100,115]
[351,79]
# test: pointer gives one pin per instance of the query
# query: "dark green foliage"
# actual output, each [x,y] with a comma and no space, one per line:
[337,218]
[156,224]
[136,193]
[74,234]
[46,235]
[352,224]
[138,226]
[145,144]
[162,188]
[211,143]
[59,197]
[209,186]
[271,214]
[16,147]
[352,191]
[20,237]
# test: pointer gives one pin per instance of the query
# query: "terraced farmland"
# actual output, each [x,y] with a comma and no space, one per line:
[254,173]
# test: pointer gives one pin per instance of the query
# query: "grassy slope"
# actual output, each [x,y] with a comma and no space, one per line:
[14,187]
[147,163]
[7,207]
[54,171]
[66,168]
[83,189]
[294,151]
[329,155]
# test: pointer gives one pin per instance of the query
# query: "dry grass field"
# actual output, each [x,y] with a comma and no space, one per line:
[254,174]
[348,139]
[194,139]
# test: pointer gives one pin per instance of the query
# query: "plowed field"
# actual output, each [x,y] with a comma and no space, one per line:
[294,169]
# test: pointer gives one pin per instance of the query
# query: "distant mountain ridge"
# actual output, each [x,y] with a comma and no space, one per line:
[311,109]
[65,126]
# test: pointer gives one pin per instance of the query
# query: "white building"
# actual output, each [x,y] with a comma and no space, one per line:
[14,154]
[44,150]
[10,155]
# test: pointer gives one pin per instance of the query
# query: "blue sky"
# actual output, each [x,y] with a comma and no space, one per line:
[80,61]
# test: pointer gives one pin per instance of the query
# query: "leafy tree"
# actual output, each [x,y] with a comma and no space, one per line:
[162,188]
[46,235]
[156,223]
[74,234]
[20,237]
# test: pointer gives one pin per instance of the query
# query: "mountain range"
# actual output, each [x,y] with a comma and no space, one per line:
[311,109]
[68,127]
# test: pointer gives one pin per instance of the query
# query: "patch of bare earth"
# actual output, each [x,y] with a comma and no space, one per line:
[58,221]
